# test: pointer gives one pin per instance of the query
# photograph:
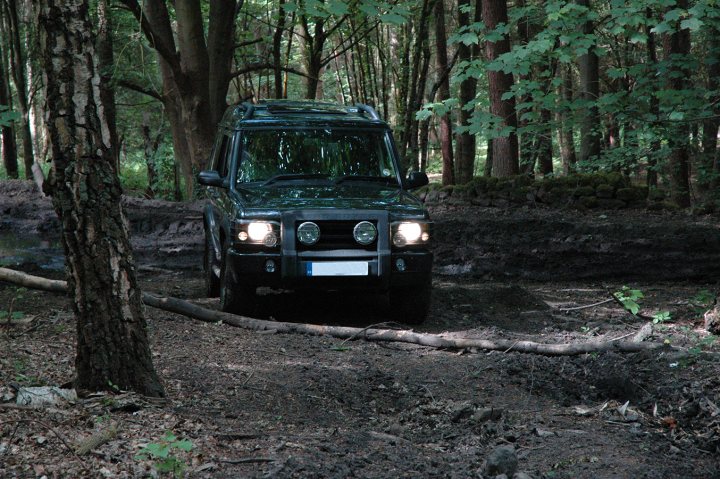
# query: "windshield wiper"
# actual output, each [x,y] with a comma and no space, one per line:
[290,177]
[375,179]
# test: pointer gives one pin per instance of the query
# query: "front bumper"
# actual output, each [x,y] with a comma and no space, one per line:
[291,272]
[290,267]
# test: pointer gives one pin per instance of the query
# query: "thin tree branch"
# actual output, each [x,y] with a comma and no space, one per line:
[135,87]
[266,66]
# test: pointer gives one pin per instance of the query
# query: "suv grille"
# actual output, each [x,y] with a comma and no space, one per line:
[336,235]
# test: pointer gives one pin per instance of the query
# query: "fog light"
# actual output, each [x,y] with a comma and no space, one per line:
[270,266]
[424,237]
[308,233]
[270,240]
[400,264]
[242,236]
[365,233]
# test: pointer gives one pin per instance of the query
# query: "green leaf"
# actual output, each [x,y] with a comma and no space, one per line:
[184,445]
[692,24]
[7,116]
[469,38]
[661,317]
[674,14]
[337,7]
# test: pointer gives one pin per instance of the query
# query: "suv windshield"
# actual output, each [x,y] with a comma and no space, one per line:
[337,154]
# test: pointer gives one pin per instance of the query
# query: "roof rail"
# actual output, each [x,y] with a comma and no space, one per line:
[369,110]
[249,110]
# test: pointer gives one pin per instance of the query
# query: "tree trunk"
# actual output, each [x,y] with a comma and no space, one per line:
[505,148]
[413,95]
[112,343]
[277,49]
[677,45]
[20,80]
[465,141]
[106,64]
[589,66]
[9,147]
[188,309]
[446,146]
[566,138]
[543,145]
[487,170]
[711,126]
[196,75]
[314,44]
[652,175]
[150,147]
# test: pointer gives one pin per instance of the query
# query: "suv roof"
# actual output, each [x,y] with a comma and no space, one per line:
[299,113]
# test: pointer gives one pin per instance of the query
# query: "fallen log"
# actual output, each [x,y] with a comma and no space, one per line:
[186,308]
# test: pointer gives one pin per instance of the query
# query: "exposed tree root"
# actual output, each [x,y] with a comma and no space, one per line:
[191,310]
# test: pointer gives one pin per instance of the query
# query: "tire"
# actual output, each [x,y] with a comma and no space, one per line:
[411,305]
[212,282]
[234,297]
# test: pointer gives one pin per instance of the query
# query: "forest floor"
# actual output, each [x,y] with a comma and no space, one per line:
[274,405]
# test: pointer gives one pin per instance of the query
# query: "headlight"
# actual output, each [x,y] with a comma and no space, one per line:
[410,233]
[308,233]
[365,233]
[259,232]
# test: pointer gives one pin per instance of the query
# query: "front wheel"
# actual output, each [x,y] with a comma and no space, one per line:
[212,281]
[234,297]
[411,305]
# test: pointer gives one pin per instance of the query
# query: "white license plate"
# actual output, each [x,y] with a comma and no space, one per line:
[337,268]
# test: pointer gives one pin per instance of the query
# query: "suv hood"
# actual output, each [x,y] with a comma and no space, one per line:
[364,196]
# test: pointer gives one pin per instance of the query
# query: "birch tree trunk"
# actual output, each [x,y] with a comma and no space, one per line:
[112,343]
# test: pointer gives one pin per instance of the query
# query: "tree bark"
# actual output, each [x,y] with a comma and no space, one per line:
[20,80]
[194,311]
[465,142]
[277,49]
[9,147]
[589,66]
[196,75]
[314,42]
[566,138]
[446,146]
[106,64]
[413,97]
[505,148]
[112,343]
[677,45]
[652,174]
[150,146]
[711,126]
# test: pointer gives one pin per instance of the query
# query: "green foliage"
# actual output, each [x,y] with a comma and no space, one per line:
[629,298]
[661,317]
[164,453]
[7,116]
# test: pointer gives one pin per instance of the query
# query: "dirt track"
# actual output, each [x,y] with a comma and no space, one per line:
[270,405]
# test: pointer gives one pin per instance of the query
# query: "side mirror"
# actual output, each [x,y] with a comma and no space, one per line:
[416,179]
[210,178]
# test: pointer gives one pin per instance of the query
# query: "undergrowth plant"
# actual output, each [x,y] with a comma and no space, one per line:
[165,453]
[630,298]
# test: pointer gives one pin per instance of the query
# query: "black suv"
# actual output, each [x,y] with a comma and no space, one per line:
[309,195]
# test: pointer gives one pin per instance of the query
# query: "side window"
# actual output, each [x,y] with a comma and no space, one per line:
[221,161]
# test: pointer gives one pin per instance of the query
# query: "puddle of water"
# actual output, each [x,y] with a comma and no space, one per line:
[43,252]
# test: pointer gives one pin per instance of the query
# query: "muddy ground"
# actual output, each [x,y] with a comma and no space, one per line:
[273,405]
